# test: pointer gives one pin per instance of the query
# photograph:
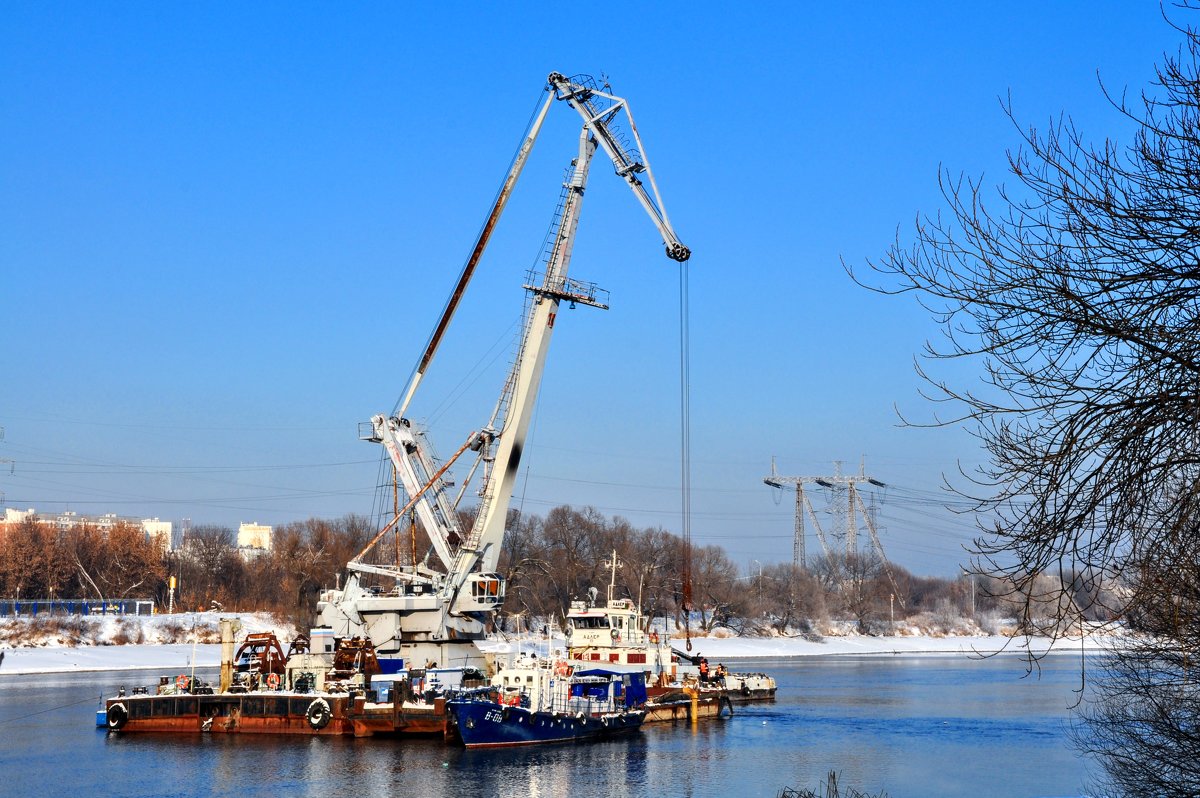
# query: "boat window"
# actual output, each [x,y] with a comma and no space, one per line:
[486,587]
[600,622]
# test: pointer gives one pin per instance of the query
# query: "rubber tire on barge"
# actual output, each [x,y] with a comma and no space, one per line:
[318,714]
[117,716]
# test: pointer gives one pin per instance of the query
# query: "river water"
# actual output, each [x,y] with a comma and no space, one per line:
[918,727]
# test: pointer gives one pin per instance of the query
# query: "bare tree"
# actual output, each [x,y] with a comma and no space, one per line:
[1080,297]
[1141,720]
[720,600]
[521,559]
[206,562]
[133,565]
[793,598]
[1077,289]
[857,585]
[24,554]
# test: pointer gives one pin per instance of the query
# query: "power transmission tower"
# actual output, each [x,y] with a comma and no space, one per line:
[12,467]
[850,510]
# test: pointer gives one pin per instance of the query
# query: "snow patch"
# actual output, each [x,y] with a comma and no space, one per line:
[56,644]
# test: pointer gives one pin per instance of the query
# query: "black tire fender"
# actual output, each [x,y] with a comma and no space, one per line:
[318,714]
[117,716]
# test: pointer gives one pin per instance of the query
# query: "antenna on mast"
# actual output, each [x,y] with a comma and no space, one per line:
[613,565]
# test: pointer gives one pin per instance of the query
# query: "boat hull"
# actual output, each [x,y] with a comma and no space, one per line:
[677,706]
[487,724]
[746,687]
[271,713]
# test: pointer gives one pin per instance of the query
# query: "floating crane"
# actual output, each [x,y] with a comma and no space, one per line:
[438,609]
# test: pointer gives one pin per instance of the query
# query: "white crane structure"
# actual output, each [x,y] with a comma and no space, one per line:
[438,608]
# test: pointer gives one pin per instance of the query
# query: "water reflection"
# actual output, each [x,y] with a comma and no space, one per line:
[925,727]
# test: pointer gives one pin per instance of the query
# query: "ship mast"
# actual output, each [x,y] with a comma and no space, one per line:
[612,564]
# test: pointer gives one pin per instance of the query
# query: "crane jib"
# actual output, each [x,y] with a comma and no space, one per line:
[468,591]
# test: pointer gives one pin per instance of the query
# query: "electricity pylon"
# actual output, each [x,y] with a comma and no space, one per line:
[853,508]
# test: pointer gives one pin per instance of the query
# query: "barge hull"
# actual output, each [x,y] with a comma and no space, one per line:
[273,713]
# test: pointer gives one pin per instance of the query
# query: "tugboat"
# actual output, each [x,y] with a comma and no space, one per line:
[538,701]
[618,634]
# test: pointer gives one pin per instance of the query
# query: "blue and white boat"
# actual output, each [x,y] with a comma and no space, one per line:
[540,701]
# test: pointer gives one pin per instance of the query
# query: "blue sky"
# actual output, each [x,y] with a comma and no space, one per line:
[226,233]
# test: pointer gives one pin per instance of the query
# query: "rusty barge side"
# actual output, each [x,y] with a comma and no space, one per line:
[274,713]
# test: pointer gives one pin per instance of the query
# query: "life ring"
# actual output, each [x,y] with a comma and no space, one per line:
[181,681]
[273,681]
[616,635]
[116,716]
[318,714]
[654,637]
[561,668]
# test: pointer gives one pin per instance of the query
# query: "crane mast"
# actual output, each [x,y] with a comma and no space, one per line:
[436,613]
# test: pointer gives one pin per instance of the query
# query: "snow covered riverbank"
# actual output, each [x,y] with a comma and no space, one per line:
[61,644]
[164,650]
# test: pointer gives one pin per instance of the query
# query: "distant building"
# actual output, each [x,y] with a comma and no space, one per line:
[253,540]
[12,516]
[158,531]
[69,519]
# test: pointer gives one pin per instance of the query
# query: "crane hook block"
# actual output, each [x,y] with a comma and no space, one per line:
[678,252]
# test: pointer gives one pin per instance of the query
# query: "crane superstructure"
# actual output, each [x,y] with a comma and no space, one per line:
[438,609]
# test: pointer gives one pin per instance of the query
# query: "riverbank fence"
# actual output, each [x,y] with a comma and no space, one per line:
[11,608]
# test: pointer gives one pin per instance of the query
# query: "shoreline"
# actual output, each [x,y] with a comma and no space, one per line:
[181,657]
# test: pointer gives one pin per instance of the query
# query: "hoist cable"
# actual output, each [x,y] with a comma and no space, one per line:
[685,448]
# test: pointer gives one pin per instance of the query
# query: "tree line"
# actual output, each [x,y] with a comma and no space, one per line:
[41,561]
[547,562]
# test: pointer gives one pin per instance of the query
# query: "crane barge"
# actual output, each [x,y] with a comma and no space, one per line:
[436,610]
